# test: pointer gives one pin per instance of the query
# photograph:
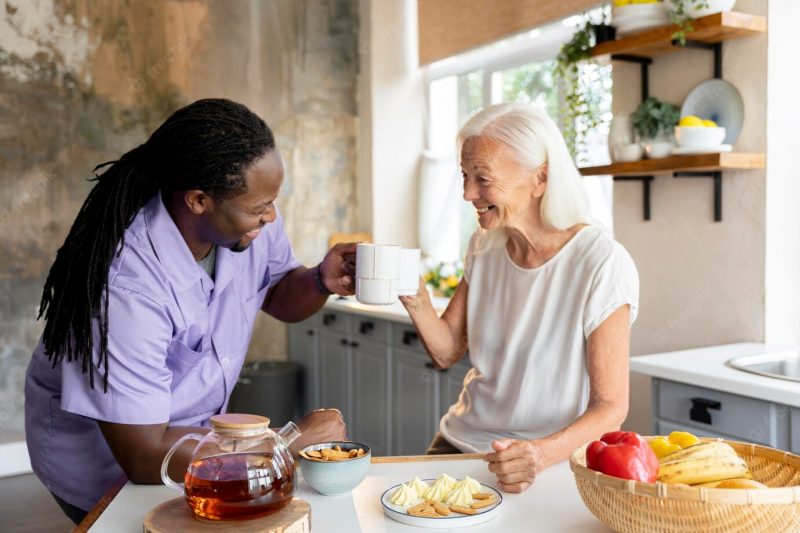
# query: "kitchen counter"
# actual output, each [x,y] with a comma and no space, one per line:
[394,312]
[552,504]
[706,367]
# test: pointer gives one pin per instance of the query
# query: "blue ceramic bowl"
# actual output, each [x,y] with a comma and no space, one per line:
[335,477]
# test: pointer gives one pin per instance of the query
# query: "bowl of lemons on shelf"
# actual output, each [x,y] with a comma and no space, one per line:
[631,16]
[693,132]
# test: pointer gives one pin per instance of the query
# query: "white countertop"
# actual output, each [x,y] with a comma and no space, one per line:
[552,504]
[394,312]
[705,367]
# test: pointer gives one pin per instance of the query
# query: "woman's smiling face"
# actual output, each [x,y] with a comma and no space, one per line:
[501,189]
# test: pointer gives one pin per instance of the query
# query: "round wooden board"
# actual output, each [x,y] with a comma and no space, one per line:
[175,515]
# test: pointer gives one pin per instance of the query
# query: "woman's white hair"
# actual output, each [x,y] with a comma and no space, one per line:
[535,139]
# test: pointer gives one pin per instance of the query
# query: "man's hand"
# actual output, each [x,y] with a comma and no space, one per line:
[321,425]
[515,462]
[338,269]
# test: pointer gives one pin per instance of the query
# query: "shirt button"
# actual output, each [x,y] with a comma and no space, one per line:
[225,360]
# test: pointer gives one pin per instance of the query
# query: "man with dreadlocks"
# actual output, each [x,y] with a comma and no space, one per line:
[156,289]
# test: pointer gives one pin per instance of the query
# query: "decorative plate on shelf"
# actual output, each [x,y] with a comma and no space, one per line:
[400,514]
[719,101]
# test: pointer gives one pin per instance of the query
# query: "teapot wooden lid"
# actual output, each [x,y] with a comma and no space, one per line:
[238,421]
[175,515]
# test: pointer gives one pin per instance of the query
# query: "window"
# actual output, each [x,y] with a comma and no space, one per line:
[519,69]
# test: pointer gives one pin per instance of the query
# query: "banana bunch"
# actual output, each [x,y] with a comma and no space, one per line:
[703,463]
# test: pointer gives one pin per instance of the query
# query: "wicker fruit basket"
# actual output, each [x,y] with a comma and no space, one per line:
[634,507]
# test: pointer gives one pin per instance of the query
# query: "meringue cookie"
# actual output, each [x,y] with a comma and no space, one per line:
[460,496]
[418,486]
[438,491]
[405,495]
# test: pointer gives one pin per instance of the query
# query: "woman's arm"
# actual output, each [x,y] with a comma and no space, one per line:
[445,338]
[516,462]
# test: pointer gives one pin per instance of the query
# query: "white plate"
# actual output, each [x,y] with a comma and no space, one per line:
[719,101]
[398,512]
[687,150]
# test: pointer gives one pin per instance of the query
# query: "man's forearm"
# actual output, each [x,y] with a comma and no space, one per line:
[295,297]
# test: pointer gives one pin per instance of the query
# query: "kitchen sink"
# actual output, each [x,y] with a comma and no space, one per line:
[781,365]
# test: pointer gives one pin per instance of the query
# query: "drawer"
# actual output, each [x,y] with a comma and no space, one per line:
[665,428]
[334,321]
[405,336]
[370,329]
[741,417]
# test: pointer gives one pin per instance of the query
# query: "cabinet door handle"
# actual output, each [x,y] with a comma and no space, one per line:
[328,318]
[699,411]
[310,332]
[354,344]
[430,365]
[344,342]
[366,327]
[409,337]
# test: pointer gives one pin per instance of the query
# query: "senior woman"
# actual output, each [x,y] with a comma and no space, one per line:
[544,308]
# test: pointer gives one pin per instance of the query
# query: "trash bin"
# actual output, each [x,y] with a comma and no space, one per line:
[267,388]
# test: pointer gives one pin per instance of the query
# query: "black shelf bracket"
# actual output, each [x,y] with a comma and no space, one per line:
[645,63]
[646,180]
[717,176]
[713,47]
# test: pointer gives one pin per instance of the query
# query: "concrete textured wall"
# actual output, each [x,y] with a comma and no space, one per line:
[702,282]
[83,81]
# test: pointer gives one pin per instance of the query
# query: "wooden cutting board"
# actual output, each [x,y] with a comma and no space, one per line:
[175,515]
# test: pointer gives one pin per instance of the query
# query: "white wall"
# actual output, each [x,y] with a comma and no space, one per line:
[391,109]
[702,282]
[782,321]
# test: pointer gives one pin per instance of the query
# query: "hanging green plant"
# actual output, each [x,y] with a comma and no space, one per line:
[678,11]
[578,101]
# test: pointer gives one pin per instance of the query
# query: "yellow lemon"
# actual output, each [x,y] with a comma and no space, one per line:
[452,281]
[691,121]
[709,124]
[684,439]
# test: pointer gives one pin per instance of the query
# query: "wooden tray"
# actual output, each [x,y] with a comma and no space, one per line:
[175,515]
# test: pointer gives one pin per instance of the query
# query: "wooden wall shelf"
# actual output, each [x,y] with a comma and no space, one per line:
[711,29]
[677,163]
[681,166]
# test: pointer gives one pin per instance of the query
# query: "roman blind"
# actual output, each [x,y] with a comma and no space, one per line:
[449,27]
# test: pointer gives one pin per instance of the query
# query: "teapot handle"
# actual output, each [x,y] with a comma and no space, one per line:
[165,463]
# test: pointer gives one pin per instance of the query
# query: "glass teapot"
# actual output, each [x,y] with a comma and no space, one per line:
[241,469]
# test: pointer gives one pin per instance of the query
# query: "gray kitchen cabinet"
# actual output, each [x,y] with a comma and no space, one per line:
[794,422]
[334,372]
[713,413]
[376,372]
[415,402]
[303,341]
[370,407]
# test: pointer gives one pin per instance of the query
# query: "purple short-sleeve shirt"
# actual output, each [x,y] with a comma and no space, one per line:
[176,343]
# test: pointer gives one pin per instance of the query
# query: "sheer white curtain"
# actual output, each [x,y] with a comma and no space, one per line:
[439,201]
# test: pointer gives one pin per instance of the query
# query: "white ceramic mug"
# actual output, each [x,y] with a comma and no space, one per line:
[409,272]
[376,291]
[384,272]
[378,261]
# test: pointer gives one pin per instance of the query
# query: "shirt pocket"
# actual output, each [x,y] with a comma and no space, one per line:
[181,359]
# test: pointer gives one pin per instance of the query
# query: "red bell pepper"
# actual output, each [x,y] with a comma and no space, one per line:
[623,454]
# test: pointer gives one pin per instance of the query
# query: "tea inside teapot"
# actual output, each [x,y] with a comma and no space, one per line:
[241,469]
